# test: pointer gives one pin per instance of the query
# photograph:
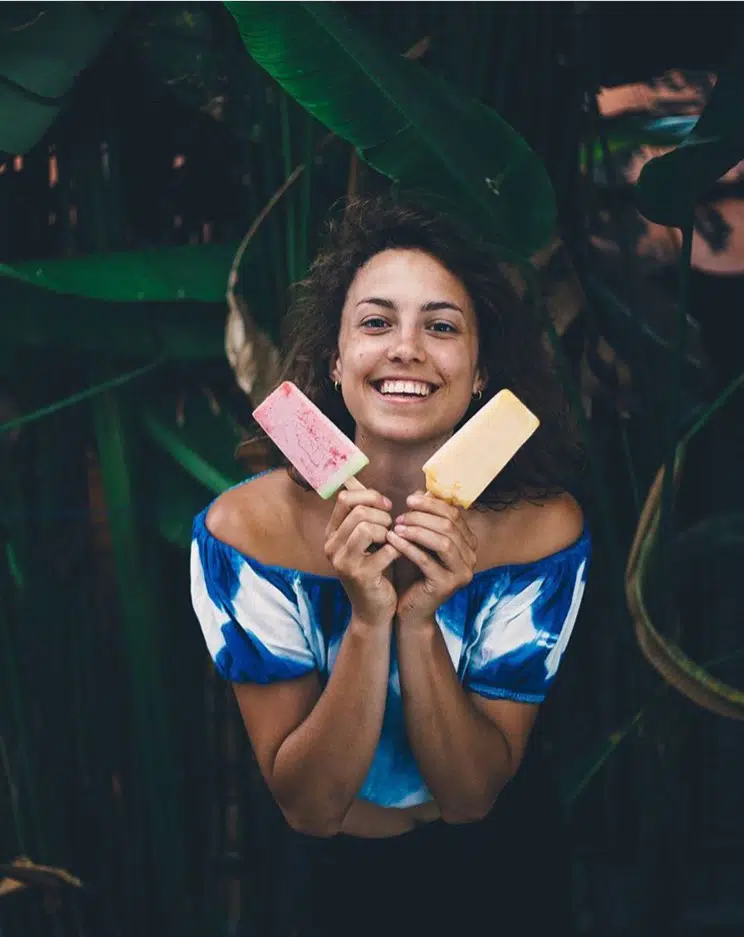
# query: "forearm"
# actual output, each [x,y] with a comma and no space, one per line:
[464,758]
[321,765]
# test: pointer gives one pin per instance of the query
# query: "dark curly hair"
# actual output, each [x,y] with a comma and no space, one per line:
[513,351]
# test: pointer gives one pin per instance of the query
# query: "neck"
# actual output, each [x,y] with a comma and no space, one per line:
[395,468]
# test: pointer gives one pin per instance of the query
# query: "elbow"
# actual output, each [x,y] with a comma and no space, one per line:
[470,809]
[462,814]
[318,827]
[312,823]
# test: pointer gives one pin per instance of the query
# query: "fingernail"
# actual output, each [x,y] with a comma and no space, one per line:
[387,502]
[399,519]
[400,529]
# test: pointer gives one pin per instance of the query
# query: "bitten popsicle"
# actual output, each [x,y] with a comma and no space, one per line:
[321,453]
[470,460]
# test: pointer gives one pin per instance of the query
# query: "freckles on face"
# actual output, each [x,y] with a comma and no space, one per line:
[407,318]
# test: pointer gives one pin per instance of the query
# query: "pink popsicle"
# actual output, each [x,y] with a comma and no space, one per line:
[321,453]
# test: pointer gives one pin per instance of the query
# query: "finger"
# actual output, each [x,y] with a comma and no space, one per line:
[441,525]
[351,551]
[452,553]
[424,502]
[361,514]
[379,561]
[431,569]
[346,501]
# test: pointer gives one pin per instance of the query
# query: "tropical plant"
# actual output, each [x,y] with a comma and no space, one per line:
[134,348]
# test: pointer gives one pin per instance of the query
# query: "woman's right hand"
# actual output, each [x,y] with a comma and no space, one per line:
[361,520]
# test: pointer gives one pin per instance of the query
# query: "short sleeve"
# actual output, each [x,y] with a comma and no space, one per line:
[249,613]
[522,631]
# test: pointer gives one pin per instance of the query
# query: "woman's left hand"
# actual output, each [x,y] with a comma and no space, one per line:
[435,536]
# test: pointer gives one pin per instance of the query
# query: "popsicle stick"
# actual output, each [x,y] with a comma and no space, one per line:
[352,484]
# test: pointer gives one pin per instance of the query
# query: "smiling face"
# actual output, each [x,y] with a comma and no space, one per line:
[407,354]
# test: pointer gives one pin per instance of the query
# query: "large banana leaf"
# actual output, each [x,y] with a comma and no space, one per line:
[197,272]
[670,185]
[406,123]
[43,48]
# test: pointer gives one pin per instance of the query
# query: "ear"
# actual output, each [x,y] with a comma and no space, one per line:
[481,379]
[335,367]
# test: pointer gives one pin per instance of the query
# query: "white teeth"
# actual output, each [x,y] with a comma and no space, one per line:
[405,387]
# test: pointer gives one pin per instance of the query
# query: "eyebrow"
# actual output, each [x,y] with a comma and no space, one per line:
[433,306]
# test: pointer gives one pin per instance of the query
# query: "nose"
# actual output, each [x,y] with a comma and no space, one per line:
[407,345]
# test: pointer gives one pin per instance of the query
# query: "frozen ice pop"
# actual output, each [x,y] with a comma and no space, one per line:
[321,453]
[470,460]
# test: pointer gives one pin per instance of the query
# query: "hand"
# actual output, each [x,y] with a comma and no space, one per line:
[436,537]
[360,522]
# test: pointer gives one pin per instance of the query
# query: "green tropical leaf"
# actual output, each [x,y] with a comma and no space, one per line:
[203,443]
[142,636]
[670,186]
[674,665]
[43,49]
[404,121]
[196,272]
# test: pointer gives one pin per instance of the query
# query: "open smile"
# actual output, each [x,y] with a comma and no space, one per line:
[398,390]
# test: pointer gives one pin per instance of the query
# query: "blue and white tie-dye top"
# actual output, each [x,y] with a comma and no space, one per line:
[505,632]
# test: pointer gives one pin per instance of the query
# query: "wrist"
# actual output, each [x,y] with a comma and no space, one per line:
[371,624]
[414,623]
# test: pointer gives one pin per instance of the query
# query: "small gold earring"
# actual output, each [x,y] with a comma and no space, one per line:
[478,394]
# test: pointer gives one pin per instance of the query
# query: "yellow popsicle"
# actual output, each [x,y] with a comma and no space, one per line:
[469,461]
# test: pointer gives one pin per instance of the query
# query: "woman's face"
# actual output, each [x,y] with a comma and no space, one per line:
[407,355]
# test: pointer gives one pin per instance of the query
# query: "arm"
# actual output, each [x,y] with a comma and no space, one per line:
[314,749]
[466,746]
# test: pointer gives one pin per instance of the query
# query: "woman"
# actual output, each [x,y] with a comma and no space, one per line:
[389,651]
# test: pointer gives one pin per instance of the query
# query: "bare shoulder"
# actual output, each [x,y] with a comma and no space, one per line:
[252,515]
[529,531]
[554,524]
[273,520]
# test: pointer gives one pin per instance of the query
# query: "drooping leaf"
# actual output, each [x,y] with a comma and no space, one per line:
[670,186]
[43,49]
[674,665]
[202,443]
[405,122]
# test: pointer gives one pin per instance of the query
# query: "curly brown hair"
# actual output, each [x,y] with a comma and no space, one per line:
[513,351]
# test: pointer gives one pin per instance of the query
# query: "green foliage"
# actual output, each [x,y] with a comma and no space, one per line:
[196,272]
[409,125]
[43,47]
